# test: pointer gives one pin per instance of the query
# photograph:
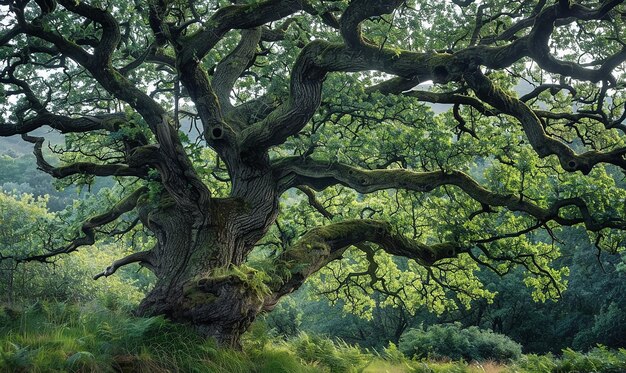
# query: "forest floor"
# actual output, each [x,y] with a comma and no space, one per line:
[58,337]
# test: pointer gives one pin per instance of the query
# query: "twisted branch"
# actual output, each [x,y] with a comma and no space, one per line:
[297,171]
[541,143]
[144,258]
[321,245]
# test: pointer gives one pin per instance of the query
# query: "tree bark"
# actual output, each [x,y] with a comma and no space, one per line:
[199,255]
[220,306]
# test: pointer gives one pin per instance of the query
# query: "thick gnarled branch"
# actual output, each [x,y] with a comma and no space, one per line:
[324,244]
[357,12]
[144,258]
[64,124]
[319,58]
[110,29]
[541,143]
[233,65]
[393,87]
[538,43]
[297,171]
[234,17]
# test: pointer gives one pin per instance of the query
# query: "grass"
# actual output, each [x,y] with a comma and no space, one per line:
[57,337]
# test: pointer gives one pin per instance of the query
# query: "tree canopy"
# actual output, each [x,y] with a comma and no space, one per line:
[399,145]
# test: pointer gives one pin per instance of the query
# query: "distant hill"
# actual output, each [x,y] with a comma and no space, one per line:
[15,146]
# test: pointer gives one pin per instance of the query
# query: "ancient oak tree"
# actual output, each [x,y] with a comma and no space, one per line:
[325,134]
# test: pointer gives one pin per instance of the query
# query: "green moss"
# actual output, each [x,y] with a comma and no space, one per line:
[333,231]
[253,279]
[436,59]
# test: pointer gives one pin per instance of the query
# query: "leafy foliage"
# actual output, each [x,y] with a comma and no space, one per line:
[598,360]
[26,228]
[578,319]
[453,342]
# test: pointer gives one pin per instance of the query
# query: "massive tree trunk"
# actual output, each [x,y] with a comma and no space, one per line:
[198,256]
[194,285]
[220,305]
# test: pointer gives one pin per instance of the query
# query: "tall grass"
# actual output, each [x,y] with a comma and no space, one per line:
[59,337]
[598,360]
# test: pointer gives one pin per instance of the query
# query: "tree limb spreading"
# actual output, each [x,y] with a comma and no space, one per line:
[142,257]
[321,245]
[543,144]
[81,168]
[320,174]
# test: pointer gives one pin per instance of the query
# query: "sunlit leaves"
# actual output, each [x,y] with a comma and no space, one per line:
[28,228]
[399,283]
[26,223]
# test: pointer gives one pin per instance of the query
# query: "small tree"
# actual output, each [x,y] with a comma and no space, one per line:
[324,97]
[25,223]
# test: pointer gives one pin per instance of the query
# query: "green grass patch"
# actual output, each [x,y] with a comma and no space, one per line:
[598,360]
[56,337]
[59,337]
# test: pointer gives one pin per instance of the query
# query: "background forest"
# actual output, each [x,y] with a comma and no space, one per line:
[512,331]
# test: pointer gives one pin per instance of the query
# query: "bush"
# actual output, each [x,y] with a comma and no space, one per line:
[453,342]
[598,360]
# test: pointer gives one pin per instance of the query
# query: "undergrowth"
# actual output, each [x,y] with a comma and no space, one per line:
[59,337]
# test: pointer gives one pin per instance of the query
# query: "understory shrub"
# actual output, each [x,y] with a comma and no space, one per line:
[597,360]
[455,343]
